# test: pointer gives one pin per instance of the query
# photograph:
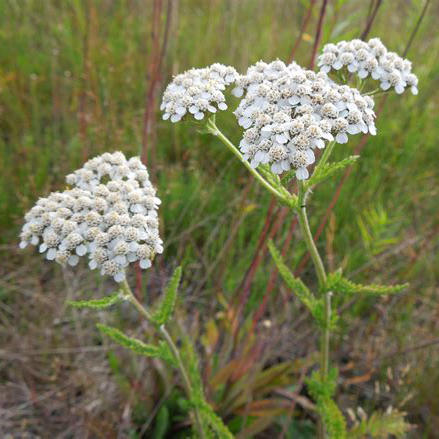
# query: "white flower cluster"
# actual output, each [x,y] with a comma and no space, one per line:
[109,215]
[371,58]
[197,91]
[288,111]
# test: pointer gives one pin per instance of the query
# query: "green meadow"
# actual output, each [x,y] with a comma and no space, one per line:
[82,77]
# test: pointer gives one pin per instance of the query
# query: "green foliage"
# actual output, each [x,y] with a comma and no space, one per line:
[376,229]
[322,392]
[294,283]
[337,283]
[314,305]
[162,423]
[106,302]
[381,426]
[212,423]
[164,311]
[161,351]
[328,170]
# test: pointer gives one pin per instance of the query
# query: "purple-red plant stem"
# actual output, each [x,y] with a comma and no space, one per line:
[359,148]
[370,20]
[82,116]
[416,28]
[302,30]
[318,33]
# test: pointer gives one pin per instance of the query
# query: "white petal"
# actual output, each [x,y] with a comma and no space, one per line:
[120,259]
[145,263]
[222,106]
[277,168]
[310,157]
[92,264]
[43,247]
[302,174]
[119,277]
[81,250]
[353,129]
[73,260]
[238,92]
[34,240]
[175,118]
[180,110]
[166,116]
[51,254]
[193,109]
[341,138]
[23,244]
[199,115]
[363,73]
[399,89]
[414,90]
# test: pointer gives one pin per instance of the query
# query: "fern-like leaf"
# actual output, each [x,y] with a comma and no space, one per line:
[212,424]
[336,282]
[328,170]
[166,307]
[97,303]
[161,351]
[381,425]
[294,283]
[322,392]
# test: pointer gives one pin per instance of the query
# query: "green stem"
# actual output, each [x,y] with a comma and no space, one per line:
[186,381]
[214,130]
[321,275]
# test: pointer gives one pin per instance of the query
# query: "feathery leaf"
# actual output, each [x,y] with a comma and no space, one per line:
[337,283]
[97,303]
[166,307]
[329,169]
[161,351]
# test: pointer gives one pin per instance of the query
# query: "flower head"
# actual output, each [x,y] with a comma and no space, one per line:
[287,112]
[197,91]
[109,215]
[370,59]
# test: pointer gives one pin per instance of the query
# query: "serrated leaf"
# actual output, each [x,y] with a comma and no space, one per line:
[337,283]
[328,170]
[213,421]
[210,420]
[164,311]
[322,393]
[294,283]
[381,425]
[161,350]
[97,303]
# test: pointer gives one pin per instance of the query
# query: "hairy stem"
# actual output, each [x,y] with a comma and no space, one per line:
[321,275]
[165,334]
[214,130]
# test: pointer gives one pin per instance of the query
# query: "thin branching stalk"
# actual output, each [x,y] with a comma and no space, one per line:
[302,30]
[214,130]
[357,150]
[321,276]
[318,33]
[165,334]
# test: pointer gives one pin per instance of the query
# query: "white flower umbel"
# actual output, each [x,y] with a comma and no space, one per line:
[288,111]
[370,59]
[197,92]
[110,216]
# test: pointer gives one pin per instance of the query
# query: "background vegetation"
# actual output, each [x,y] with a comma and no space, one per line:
[78,78]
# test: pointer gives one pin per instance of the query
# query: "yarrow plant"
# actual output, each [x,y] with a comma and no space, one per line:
[288,114]
[110,217]
[113,224]
[291,119]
